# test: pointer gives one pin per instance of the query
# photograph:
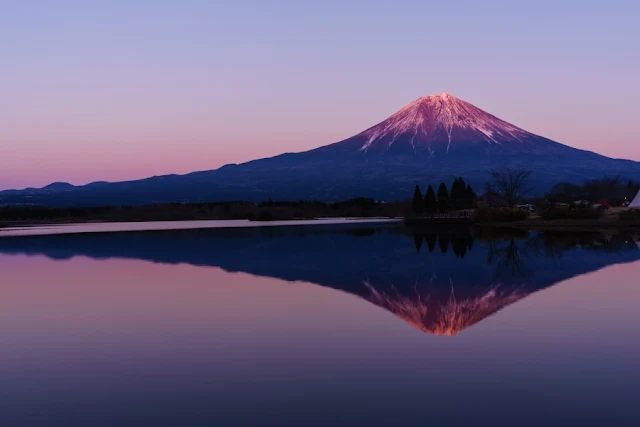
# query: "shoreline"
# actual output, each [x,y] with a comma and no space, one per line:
[142,226]
[536,223]
[570,225]
[12,224]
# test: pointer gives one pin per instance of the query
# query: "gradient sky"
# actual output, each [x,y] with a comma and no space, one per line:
[124,89]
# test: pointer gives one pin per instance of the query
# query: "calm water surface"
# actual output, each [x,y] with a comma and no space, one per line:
[344,324]
[111,227]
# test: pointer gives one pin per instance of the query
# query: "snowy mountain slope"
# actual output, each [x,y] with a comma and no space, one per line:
[442,117]
[439,125]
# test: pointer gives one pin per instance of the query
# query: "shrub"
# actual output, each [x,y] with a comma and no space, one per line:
[631,215]
[263,215]
[485,214]
[564,213]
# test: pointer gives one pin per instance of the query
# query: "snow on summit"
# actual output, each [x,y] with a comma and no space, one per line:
[439,119]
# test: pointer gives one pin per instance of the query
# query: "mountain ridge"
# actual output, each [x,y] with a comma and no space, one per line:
[432,139]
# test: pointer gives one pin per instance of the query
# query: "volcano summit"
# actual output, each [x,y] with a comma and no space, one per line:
[430,124]
[431,140]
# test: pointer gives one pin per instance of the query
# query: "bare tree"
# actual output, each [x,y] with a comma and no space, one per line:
[511,183]
[509,260]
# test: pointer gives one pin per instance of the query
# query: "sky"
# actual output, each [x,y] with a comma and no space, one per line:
[125,89]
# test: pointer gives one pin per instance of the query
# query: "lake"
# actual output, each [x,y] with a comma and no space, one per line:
[111,227]
[319,325]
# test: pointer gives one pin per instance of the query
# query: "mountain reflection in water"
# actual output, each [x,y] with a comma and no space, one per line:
[440,281]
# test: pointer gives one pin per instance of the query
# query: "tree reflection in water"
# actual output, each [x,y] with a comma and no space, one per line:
[466,275]
[441,309]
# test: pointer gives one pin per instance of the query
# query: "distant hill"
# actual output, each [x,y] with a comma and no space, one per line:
[432,139]
[58,186]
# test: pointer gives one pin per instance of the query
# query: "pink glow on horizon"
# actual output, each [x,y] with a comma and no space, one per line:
[126,90]
[92,151]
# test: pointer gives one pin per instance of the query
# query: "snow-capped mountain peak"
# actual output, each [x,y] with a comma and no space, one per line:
[434,120]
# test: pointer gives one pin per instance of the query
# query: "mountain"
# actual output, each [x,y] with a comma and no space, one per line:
[440,281]
[431,140]
[436,125]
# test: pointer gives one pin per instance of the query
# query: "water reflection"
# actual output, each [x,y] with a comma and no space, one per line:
[440,281]
[514,257]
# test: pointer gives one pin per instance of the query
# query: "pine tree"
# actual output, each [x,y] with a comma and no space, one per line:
[454,194]
[431,239]
[463,185]
[430,202]
[443,197]
[417,240]
[470,194]
[443,242]
[418,203]
[463,202]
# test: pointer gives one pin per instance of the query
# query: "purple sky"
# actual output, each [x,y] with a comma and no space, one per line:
[114,90]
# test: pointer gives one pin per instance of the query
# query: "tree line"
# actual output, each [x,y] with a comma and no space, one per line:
[266,211]
[459,196]
[510,186]
[613,189]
